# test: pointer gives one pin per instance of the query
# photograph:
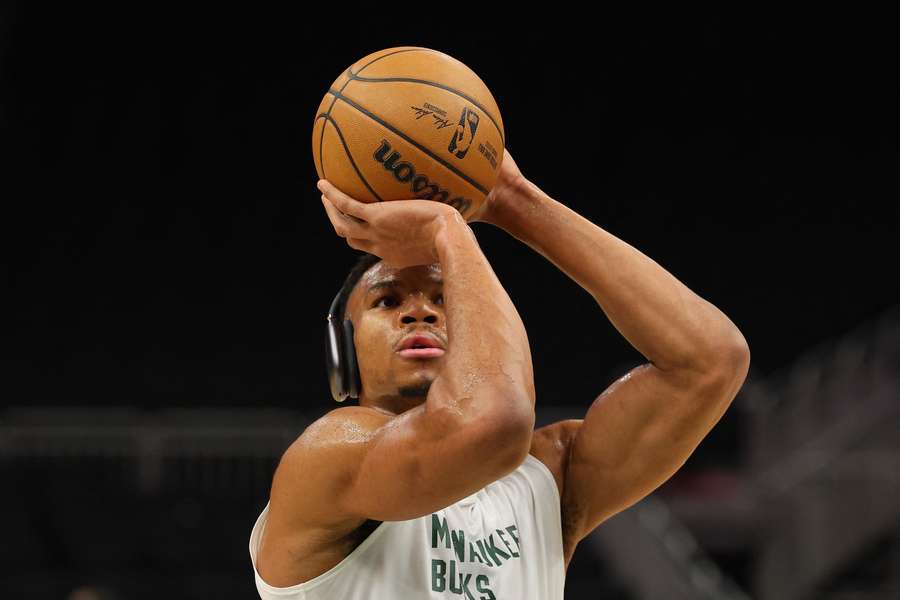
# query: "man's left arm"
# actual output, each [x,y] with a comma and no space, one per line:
[644,426]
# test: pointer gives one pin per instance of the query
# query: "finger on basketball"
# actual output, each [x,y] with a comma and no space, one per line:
[344,226]
[342,201]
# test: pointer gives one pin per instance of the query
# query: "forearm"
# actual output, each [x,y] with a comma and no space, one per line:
[488,347]
[664,320]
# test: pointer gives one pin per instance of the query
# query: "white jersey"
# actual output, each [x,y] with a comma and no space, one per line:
[504,542]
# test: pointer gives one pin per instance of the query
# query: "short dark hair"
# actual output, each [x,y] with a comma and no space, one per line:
[363,263]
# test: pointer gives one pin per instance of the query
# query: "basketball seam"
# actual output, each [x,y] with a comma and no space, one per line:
[330,119]
[431,83]
[346,83]
[423,149]
[326,114]
[365,66]
[322,139]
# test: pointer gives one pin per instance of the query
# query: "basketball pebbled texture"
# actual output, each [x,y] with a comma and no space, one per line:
[410,122]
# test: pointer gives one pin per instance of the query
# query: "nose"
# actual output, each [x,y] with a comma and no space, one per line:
[418,308]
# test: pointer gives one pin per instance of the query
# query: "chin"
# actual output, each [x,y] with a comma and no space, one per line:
[415,390]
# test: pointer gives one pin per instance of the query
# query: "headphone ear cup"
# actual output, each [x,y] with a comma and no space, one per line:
[334,361]
[351,371]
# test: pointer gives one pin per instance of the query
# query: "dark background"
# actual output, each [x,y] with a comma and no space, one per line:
[166,224]
[164,244]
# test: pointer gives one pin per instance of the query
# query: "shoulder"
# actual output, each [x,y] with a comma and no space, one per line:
[322,461]
[306,527]
[341,431]
[335,423]
[337,428]
[550,444]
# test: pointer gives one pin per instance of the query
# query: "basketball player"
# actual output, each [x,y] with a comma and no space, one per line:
[437,485]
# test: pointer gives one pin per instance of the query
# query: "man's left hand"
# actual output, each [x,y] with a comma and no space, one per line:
[509,181]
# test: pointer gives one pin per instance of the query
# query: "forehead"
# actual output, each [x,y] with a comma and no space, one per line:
[382,272]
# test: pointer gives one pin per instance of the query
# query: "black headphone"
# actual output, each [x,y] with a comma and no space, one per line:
[340,353]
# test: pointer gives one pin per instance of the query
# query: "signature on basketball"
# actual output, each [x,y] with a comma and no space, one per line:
[438,122]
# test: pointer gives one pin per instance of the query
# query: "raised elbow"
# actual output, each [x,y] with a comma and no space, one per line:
[737,355]
[725,370]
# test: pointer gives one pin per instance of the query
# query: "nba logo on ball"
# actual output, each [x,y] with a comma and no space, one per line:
[381,131]
[468,123]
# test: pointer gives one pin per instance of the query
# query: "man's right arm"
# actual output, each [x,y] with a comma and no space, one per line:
[474,427]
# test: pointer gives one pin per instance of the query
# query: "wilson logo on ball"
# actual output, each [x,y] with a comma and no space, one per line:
[422,187]
[465,133]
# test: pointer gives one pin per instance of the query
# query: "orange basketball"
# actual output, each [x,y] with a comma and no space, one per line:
[407,123]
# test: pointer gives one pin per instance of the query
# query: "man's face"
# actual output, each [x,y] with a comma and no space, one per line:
[389,307]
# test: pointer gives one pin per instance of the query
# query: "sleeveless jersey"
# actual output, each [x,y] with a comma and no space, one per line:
[504,542]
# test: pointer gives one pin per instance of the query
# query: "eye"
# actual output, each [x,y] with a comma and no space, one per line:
[439,299]
[390,298]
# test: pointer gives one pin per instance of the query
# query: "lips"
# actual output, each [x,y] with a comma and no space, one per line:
[421,353]
[420,346]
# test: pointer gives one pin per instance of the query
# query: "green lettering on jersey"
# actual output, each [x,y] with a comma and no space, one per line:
[465,586]
[483,585]
[438,575]
[503,539]
[439,529]
[459,543]
[473,553]
[454,588]
[512,531]
[484,553]
[494,550]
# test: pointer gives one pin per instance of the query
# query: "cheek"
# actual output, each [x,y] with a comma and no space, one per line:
[374,343]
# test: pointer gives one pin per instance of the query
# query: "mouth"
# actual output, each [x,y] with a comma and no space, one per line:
[421,352]
[420,346]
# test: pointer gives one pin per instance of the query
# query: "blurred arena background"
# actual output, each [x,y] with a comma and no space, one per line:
[167,268]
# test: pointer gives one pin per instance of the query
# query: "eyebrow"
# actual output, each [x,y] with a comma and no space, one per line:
[385,283]
[391,283]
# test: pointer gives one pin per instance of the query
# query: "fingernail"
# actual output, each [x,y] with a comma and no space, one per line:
[320,184]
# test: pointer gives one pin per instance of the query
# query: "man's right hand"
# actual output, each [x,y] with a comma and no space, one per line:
[400,232]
